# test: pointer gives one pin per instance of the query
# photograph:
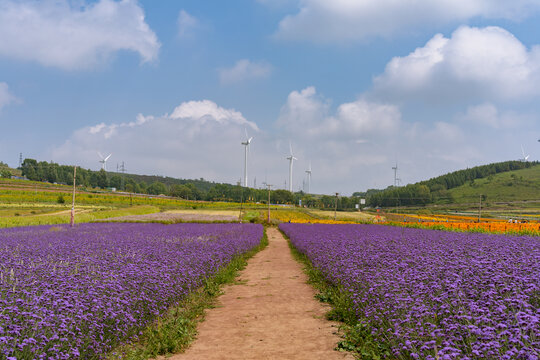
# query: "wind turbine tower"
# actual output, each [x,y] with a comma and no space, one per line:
[103,161]
[246,149]
[525,157]
[291,158]
[308,172]
[395,168]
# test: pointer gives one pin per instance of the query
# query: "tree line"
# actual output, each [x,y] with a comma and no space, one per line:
[436,189]
[198,189]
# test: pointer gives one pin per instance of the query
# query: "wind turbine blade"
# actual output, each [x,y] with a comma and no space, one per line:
[522,151]
[290,147]
[249,140]
[101,156]
[107,158]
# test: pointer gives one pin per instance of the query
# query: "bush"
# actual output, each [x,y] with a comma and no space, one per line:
[60,199]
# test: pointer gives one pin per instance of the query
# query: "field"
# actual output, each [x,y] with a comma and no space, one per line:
[80,292]
[423,294]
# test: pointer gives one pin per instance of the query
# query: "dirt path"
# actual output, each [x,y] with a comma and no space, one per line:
[271,314]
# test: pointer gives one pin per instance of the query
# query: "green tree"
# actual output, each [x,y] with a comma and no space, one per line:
[181,191]
[5,173]
[102,179]
[157,188]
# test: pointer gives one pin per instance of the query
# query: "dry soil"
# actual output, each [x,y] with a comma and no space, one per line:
[271,313]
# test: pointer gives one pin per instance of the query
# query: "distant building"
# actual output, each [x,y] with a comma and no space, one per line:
[19,177]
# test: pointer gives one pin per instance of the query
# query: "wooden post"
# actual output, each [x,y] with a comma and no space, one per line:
[72,223]
[335,208]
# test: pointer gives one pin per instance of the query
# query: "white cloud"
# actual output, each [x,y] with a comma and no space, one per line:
[306,112]
[6,97]
[350,20]
[198,139]
[186,24]
[59,34]
[244,69]
[487,114]
[474,63]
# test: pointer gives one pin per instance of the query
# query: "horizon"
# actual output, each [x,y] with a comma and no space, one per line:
[357,88]
[118,171]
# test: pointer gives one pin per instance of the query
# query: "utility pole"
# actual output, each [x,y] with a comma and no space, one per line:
[269,186]
[72,222]
[20,160]
[335,207]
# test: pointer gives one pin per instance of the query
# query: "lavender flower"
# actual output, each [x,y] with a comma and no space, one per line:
[434,294]
[76,292]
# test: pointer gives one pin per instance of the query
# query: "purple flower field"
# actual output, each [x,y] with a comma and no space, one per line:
[433,294]
[74,293]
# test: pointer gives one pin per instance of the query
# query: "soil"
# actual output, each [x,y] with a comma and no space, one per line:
[270,313]
[167,216]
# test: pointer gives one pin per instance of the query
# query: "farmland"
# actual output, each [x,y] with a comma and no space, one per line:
[414,293]
[80,292]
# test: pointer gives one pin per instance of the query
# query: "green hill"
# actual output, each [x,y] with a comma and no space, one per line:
[517,185]
[498,182]
[6,171]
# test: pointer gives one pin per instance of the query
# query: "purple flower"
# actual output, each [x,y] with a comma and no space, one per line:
[452,295]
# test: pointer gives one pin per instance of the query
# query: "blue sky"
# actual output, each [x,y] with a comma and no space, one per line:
[355,86]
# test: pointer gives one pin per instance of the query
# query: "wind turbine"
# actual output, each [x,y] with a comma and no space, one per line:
[246,144]
[103,161]
[291,158]
[395,168]
[525,157]
[308,172]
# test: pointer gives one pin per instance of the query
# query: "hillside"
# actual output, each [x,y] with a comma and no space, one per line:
[517,185]
[498,182]
[6,171]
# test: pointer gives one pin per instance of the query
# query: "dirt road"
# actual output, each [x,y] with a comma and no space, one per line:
[271,314]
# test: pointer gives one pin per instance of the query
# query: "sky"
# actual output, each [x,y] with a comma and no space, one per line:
[354,87]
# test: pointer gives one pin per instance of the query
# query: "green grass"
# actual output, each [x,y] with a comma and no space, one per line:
[518,185]
[91,215]
[175,331]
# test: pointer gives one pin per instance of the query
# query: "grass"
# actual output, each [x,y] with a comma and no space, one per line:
[64,217]
[356,335]
[174,332]
[518,185]
[341,215]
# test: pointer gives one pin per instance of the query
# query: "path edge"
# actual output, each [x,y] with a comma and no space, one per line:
[331,295]
[174,332]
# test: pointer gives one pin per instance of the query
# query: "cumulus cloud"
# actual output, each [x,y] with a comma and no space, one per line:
[351,20]
[488,115]
[60,34]
[6,97]
[477,63]
[198,139]
[308,113]
[354,136]
[244,69]
[186,24]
